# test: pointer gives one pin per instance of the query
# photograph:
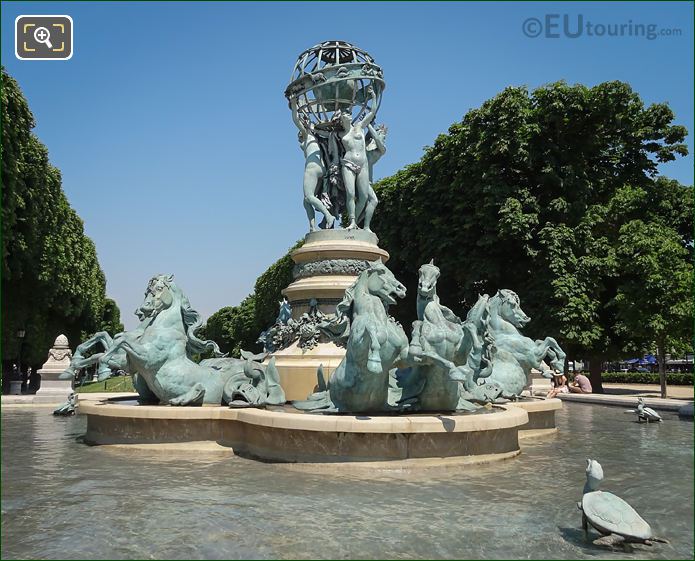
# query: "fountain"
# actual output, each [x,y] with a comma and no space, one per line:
[339,380]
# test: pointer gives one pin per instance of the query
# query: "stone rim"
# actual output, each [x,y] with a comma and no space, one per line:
[505,417]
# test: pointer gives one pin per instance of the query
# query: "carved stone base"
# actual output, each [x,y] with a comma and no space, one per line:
[52,389]
[297,369]
[327,263]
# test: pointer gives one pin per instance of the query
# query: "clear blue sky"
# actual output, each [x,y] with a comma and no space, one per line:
[176,144]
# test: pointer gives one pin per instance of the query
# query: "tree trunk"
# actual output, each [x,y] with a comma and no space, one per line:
[595,363]
[661,359]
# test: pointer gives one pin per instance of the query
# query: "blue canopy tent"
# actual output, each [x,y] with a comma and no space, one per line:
[649,359]
[646,360]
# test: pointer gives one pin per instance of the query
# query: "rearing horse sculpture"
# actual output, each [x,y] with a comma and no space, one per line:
[448,353]
[375,343]
[160,355]
[513,355]
[107,362]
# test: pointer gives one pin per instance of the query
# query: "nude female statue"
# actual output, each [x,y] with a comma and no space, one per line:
[376,148]
[355,169]
[314,171]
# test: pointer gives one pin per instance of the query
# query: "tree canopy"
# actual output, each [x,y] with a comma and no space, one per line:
[554,194]
[235,328]
[539,192]
[51,279]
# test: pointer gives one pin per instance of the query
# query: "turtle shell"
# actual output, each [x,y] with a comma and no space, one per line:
[650,413]
[611,514]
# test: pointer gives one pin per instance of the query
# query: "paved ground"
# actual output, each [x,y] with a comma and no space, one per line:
[625,395]
[649,390]
[30,400]
[96,396]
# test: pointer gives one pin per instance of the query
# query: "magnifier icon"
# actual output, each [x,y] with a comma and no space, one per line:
[42,35]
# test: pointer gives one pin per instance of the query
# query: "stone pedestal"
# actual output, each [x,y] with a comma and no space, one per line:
[327,264]
[16,387]
[52,389]
[297,368]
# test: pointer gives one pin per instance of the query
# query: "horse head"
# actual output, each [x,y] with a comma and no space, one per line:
[427,281]
[382,283]
[506,302]
[145,311]
[159,296]
[163,294]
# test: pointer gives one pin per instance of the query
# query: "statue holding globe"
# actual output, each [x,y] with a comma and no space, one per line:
[376,148]
[355,171]
[334,95]
[314,170]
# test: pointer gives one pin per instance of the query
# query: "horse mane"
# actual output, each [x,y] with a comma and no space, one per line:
[344,307]
[338,328]
[478,318]
[480,312]
[494,302]
[507,295]
[430,265]
[192,322]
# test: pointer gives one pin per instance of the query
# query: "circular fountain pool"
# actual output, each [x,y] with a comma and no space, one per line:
[61,497]
[284,434]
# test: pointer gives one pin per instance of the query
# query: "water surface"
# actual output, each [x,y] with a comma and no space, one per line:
[63,499]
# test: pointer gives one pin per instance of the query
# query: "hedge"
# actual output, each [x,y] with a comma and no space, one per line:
[675,378]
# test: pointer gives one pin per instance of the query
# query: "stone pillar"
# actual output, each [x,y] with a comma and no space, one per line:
[327,264]
[52,389]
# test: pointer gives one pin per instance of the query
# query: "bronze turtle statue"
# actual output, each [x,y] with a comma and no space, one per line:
[610,515]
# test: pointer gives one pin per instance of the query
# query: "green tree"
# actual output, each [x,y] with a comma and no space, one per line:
[654,298]
[235,328]
[519,195]
[269,286]
[111,318]
[52,282]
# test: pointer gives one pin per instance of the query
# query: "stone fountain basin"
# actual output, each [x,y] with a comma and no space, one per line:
[283,434]
[541,416]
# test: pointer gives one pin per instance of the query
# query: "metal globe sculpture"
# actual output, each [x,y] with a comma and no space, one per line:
[334,76]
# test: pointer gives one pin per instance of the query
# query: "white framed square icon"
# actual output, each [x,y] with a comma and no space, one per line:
[33,40]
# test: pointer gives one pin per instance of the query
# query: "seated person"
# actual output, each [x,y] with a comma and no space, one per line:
[581,384]
[559,382]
